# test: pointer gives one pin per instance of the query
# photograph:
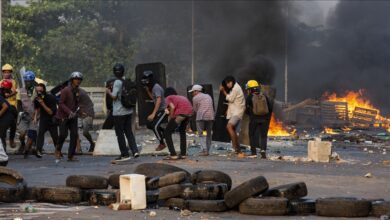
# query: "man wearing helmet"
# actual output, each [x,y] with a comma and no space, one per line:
[7,70]
[122,117]
[68,108]
[259,109]
[157,116]
[28,122]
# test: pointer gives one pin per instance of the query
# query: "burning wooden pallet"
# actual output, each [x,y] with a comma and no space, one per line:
[364,117]
[334,114]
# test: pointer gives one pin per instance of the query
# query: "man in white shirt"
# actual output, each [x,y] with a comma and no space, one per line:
[236,109]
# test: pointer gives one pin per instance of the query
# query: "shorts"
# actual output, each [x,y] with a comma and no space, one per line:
[235,120]
[25,123]
[32,134]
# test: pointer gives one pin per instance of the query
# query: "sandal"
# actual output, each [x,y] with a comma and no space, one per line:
[171,158]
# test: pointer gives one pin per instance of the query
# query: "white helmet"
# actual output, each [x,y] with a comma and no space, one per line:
[76,75]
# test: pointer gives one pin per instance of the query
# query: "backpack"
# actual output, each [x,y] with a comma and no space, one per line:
[129,93]
[259,105]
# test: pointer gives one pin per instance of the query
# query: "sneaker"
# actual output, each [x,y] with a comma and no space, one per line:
[263,155]
[122,158]
[252,156]
[161,147]
[136,155]
[38,154]
[183,157]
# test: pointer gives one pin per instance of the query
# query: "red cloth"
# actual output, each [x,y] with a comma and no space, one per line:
[182,105]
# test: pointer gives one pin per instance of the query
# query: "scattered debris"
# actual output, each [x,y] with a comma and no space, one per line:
[185,212]
[386,163]
[368,175]
[152,214]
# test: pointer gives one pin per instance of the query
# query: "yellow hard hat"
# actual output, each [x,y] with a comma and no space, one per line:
[252,84]
[6,67]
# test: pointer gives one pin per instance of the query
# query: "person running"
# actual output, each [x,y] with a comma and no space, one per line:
[259,109]
[87,114]
[158,116]
[235,111]
[67,115]
[7,70]
[204,109]
[122,117]
[180,111]
[46,107]
[8,113]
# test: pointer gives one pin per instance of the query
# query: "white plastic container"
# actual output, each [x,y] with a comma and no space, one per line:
[133,190]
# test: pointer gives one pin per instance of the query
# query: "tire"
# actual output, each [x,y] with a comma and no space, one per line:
[101,197]
[13,193]
[302,206]
[205,191]
[289,191]
[264,206]
[166,180]
[174,203]
[152,196]
[61,195]
[380,208]
[171,191]
[214,176]
[10,176]
[87,182]
[343,207]
[33,193]
[207,205]
[113,181]
[158,169]
[246,190]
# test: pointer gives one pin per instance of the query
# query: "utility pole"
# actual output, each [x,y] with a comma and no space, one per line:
[192,45]
[286,59]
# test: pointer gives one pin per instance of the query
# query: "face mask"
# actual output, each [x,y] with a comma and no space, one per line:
[6,75]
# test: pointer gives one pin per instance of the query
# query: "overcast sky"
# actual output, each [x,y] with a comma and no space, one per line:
[314,12]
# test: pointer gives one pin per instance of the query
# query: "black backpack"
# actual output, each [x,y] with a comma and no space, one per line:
[129,93]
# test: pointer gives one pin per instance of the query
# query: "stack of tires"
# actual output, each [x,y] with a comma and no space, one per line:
[12,185]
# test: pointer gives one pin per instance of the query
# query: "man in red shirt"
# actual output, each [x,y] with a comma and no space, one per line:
[180,111]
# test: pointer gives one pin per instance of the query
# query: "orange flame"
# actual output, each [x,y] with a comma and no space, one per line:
[329,131]
[357,99]
[276,128]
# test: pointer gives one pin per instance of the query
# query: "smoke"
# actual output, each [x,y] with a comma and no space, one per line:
[351,54]
[234,37]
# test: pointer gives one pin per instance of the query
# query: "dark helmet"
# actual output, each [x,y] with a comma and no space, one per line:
[118,70]
[147,77]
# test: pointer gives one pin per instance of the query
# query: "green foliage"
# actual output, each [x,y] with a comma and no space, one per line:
[54,38]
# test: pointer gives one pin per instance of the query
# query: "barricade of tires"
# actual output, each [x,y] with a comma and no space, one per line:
[202,191]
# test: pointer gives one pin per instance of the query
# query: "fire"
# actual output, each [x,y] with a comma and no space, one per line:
[354,99]
[329,131]
[276,128]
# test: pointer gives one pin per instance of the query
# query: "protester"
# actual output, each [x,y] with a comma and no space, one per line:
[180,111]
[259,109]
[204,109]
[3,156]
[109,122]
[28,122]
[46,105]
[87,114]
[235,111]
[158,116]
[67,115]
[7,70]
[8,113]
[122,117]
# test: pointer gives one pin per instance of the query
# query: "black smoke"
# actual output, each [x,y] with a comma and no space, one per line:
[352,52]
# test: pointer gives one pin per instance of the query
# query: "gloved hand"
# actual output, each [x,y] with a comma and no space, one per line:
[72,115]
